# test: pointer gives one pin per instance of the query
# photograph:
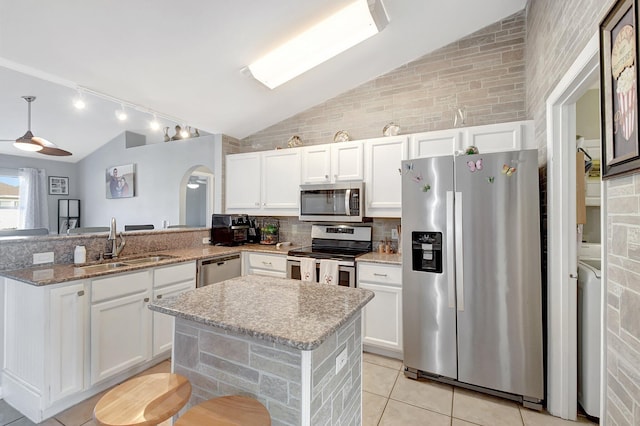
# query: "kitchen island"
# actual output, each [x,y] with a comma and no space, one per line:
[296,347]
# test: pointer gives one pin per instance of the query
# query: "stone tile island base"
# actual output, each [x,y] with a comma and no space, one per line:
[298,387]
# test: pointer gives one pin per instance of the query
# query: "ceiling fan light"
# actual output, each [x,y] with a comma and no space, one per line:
[184,133]
[27,143]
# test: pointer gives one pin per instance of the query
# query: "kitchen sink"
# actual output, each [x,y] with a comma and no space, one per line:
[104,266]
[148,259]
[126,262]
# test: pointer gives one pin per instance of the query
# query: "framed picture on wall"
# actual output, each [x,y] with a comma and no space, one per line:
[619,91]
[120,181]
[58,185]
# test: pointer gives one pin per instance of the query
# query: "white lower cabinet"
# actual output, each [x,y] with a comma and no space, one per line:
[45,343]
[68,330]
[169,281]
[66,342]
[120,323]
[382,316]
[269,265]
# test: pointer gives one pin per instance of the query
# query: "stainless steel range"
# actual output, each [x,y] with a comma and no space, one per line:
[338,242]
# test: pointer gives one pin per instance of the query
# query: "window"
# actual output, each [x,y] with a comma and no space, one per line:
[9,196]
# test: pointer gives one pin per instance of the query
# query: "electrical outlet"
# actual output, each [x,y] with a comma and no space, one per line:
[46,257]
[206,240]
[394,234]
[341,360]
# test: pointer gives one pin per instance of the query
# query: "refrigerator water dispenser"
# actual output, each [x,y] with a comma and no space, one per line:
[426,251]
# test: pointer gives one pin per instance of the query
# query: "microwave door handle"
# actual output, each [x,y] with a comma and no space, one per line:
[347,202]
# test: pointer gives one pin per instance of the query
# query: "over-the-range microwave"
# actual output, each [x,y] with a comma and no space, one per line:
[336,202]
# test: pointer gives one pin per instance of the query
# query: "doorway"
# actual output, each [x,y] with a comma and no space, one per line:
[196,197]
[562,235]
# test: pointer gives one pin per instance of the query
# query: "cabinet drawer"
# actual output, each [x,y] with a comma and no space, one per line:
[268,262]
[173,274]
[120,285]
[376,273]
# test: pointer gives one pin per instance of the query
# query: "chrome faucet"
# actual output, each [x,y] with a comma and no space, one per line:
[113,237]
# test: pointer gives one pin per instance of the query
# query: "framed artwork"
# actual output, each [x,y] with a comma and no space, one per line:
[120,181]
[619,90]
[58,185]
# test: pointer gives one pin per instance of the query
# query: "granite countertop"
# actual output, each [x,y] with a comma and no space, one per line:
[373,257]
[58,273]
[288,312]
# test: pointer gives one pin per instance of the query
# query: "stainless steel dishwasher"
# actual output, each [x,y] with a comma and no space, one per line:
[216,269]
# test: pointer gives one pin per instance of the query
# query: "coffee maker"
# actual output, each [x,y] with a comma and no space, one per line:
[229,230]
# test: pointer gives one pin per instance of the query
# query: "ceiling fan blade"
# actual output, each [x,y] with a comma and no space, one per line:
[54,151]
[7,140]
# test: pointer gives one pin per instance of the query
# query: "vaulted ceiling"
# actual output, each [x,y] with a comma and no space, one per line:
[183,59]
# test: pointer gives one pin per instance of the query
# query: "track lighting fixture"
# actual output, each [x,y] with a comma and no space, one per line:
[78,102]
[154,124]
[121,114]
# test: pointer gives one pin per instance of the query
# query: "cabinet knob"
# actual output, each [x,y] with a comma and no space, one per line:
[81,293]
[264,204]
[326,176]
[159,296]
[257,204]
[146,299]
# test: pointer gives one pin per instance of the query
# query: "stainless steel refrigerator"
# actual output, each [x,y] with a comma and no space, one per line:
[472,311]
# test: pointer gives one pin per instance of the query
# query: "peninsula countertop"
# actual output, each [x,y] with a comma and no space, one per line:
[289,312]
[58,273]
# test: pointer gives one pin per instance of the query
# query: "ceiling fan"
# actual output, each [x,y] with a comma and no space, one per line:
[28,142]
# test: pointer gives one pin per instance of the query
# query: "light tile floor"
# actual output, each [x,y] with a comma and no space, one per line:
[388,398]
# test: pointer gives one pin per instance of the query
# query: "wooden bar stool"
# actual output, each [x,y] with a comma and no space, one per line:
[226,411]
[144,400]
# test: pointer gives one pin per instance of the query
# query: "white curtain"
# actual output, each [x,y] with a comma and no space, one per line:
[33,206]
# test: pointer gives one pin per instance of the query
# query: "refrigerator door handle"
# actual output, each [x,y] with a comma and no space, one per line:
[459,251]
[451,264]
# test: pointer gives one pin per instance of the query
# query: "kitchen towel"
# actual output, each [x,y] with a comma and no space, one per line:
[328,271]
[308,269]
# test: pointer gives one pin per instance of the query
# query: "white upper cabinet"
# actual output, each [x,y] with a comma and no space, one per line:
[434,144]
[281,181]
[263,182]
[243,181]
[316,164]
[382,183]
[512,136]
[335,162]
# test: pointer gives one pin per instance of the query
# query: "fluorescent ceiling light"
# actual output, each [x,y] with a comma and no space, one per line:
[348,27]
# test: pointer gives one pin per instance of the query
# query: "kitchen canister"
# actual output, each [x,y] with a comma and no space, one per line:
[79,255]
